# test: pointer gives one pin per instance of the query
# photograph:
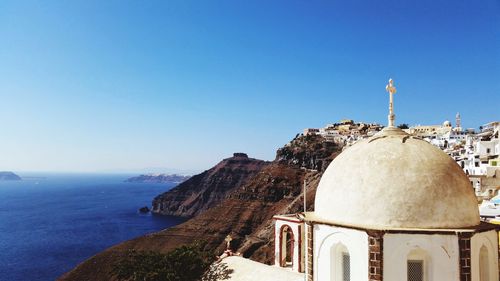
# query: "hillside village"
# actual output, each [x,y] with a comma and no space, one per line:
[477,152]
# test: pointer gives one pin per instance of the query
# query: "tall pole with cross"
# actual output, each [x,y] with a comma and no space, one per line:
[392,90]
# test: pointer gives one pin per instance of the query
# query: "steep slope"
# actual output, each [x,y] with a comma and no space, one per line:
[311,152]
[209,188]
[245,213]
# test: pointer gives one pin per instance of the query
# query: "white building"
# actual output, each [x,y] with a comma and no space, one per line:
[374,220]
[391,207]
[482,152]
[430,131]
[448,139]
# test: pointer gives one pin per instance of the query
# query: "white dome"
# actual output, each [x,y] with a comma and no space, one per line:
[393,180]
[446,123]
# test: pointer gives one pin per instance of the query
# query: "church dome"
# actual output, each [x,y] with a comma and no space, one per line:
[394,180]
[446,123]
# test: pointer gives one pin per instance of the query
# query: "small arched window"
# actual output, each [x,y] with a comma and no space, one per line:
[287,246]
[416,265]
[415,270]
[341,267]
[484,269]
[346,266]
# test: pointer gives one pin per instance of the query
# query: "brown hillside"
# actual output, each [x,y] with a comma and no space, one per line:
[209,188]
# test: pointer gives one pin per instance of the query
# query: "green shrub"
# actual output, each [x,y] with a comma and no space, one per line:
[186,263]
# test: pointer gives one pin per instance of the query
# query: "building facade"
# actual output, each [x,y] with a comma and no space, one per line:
[391,207]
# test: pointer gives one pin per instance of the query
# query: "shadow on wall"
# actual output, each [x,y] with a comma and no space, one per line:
[217,271]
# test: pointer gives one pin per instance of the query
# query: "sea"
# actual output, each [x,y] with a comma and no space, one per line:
[49,223]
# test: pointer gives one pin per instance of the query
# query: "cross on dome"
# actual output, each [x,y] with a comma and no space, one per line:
[392,90]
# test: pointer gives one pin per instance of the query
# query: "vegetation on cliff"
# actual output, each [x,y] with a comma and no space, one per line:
[185,263]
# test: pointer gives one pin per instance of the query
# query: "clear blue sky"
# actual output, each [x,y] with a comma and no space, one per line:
[128,85]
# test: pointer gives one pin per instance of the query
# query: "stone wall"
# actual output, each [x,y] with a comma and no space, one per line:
[465,256]
[375,254]
[309,253]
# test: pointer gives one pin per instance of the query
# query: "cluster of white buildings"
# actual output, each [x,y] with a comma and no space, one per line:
[346,132]
[478,153]
[390,207]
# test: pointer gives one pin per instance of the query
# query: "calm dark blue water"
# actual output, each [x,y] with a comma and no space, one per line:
[49,225]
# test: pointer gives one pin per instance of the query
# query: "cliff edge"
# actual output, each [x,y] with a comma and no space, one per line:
[206,190]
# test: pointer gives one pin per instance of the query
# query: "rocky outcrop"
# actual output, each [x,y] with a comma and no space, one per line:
[9,176]
[159,178]
[245,210]
[209,188]
[310,152]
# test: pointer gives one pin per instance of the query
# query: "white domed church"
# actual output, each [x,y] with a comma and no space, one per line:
[391,207]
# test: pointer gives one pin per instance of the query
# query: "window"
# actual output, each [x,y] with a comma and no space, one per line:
[417,265]
[346,267]
[483,264]
[287,246]
[340,269]
[415,270]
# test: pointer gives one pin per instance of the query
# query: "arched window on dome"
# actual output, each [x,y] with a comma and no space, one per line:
[341,263]
[417,265]
[484,270]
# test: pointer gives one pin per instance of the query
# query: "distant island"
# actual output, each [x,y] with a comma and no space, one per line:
[9,176]
[159,178]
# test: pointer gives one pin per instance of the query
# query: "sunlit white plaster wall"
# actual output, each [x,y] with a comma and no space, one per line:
[325,237]
[441,261]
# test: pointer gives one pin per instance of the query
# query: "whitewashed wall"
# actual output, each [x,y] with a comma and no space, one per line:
[325,237]
[490,240]
[442,261]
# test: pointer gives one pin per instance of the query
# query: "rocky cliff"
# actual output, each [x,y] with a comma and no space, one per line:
[9,176]
[243,209]
[310,152]
[206,190]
